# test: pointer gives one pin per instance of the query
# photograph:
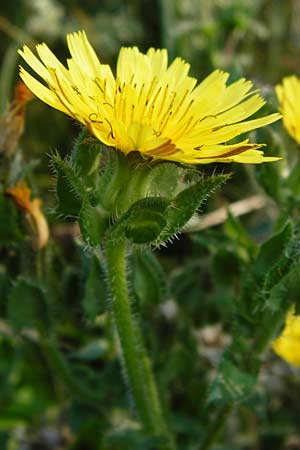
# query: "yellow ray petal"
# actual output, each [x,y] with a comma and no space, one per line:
[151,107]
[82,51]
[34,63]
[41,91]
[288,95]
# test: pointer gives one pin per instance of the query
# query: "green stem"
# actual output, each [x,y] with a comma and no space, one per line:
[136,363]
[216,427]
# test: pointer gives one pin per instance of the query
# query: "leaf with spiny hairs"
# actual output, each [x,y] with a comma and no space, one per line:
[114,177]
[70,188]
[92,222]
[143,222]
[186,203]
[86,155]
[164,178]
[276,270]
[272,251]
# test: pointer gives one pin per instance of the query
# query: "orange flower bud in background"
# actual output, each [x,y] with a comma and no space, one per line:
[34,217]
[12,122]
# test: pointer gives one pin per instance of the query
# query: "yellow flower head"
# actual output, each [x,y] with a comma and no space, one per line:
[288,94]
[149,106]
[287,345]
[32,208]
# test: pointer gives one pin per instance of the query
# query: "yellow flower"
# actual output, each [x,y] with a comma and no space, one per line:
[287,345]
[289,99]
[34,217]
[149,106]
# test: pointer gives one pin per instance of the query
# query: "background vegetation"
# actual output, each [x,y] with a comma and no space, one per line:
[71,395]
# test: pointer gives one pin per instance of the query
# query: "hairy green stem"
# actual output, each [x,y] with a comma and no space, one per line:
[137,366]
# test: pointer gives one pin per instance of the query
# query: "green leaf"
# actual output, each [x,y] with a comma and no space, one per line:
[148,278]
[70,189]
[27,306]
[94,299]
[68,203]
[145,225]
[10,231]
[270,284]
[155,219]
[239,237]
[184,205]
[92,221]
[231,384]
[271,251]
[164,178]
[114,177]
[286,291]
[86,154]
[143,222]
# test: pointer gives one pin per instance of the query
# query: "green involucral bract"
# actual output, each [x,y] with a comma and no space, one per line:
[127,192]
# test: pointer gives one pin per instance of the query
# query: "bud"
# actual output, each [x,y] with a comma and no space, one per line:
[34,217]
[12,122]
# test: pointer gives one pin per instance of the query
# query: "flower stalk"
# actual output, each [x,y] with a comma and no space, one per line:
[137,367]
[216,427]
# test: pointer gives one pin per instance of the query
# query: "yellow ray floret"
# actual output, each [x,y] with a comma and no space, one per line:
[287,345]
[149,106]
[288,94]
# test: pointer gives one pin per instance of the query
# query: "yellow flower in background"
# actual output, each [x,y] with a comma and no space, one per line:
[287,345]
[34,217]
[288,94]
[149,106]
